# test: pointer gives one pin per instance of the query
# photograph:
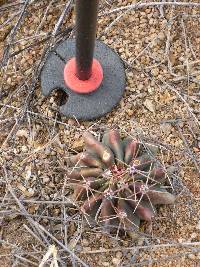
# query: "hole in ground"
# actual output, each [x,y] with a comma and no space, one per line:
[59,97]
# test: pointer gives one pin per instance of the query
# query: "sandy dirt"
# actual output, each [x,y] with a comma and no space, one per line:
[160,46]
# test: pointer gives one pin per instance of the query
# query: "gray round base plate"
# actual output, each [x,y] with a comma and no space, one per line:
[85,106]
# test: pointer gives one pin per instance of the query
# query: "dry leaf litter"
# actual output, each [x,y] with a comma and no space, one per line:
[160,47]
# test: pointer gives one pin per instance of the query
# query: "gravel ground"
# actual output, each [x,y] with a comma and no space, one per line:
[160,47]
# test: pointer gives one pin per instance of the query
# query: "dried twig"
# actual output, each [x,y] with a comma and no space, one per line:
[150,4]
[66,228]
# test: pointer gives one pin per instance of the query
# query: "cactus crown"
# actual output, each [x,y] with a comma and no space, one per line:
[118,182]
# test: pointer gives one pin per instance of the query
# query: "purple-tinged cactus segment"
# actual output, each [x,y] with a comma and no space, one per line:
[126,216]
[139,188]
[92,204]
[82,188]
[86,188]
[118,196]
[143,162]
[131,149]
[87,159]
[157,195]
[108,216]
[140,208]
[96,147]
[158,174]
[80,174]
[113,141]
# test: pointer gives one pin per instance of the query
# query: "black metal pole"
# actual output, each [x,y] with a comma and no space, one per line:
[86,22]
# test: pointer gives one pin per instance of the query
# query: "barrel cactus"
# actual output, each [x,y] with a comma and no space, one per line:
[118,183]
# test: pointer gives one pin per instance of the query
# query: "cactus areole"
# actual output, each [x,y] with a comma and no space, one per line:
[118,182]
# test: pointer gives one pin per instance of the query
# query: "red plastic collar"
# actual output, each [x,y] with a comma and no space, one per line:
[79,86]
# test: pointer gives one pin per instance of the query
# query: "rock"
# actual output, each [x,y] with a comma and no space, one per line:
[85,242]
[149,105]
[24,149]
[21,188]
[119,255]
[116,261]
[140,242]
[78,145]
[106,264]
[193,235]
[72,122]
[166,128]
[155,72]
[22,133]
[29,193]
[198,225]
[28,173]
[130,112]
[45,180]
[191,257]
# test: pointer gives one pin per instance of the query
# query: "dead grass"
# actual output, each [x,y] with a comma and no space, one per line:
[160,46]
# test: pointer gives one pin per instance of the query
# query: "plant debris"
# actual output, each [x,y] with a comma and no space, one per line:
[159,44]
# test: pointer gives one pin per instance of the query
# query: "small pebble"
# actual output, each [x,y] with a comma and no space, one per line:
[119,255]
[24,149]
[85,242]
[191,257]
[106,264]
[116,261]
